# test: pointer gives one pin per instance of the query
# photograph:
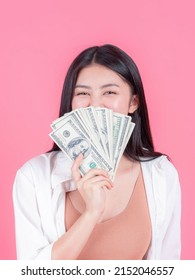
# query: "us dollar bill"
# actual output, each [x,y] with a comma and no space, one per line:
[117,128]
[93,122]
[122,139]
[78,120]
[99,133]
[129,132]
[73,141]
[104,117]
[59,122]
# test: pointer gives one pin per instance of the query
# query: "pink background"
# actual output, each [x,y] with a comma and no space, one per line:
[39,39]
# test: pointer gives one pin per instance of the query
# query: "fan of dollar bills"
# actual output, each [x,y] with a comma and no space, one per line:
[100,134]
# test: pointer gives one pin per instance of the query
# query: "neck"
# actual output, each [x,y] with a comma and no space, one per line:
[125,164]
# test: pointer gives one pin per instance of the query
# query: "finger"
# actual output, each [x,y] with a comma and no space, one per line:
[98,181]
[95,172]
[102,184]
[75,167]
[100,178]
[92,174]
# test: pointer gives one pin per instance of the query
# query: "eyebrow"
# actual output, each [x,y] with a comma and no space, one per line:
[103,86]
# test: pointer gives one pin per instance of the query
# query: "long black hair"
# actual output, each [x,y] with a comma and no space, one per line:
[140,146]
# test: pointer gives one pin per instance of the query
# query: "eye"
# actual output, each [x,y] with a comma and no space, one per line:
[109,92]
[81,93]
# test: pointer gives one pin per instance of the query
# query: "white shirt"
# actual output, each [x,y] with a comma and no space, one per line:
[39,202]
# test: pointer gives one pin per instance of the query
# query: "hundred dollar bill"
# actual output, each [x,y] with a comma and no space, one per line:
[126,120]
[129,132]
[83,119]
[74,115]
[110,130]
[73,141]
[88,118]
[59,122]
[125,133]
[94,125]
[117,124]
[104,117]
[106,131]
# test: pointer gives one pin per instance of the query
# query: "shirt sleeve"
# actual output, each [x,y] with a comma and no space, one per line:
[30,240]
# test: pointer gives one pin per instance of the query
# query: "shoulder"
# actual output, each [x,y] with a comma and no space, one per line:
[44,166]
[160,165]
[41,163]
[44,161]
[161,177]
[161,174]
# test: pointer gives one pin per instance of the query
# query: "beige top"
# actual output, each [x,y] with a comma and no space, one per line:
[125,236]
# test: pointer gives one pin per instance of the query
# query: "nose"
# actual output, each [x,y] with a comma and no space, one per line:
[96,101]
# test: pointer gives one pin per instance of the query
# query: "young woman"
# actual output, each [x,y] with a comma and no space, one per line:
[61,215]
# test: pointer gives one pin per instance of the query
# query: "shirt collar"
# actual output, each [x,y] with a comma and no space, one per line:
[61,172]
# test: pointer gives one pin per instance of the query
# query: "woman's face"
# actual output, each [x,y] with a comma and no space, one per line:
[99,86]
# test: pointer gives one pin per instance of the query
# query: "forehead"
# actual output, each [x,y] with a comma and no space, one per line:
[96,73]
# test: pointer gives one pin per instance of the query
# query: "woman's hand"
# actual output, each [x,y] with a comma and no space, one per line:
[92,187]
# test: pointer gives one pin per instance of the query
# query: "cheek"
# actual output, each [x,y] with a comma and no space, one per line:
[120,106]
[79,103]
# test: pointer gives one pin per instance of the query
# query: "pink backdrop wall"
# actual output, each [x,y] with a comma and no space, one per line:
[38,41]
